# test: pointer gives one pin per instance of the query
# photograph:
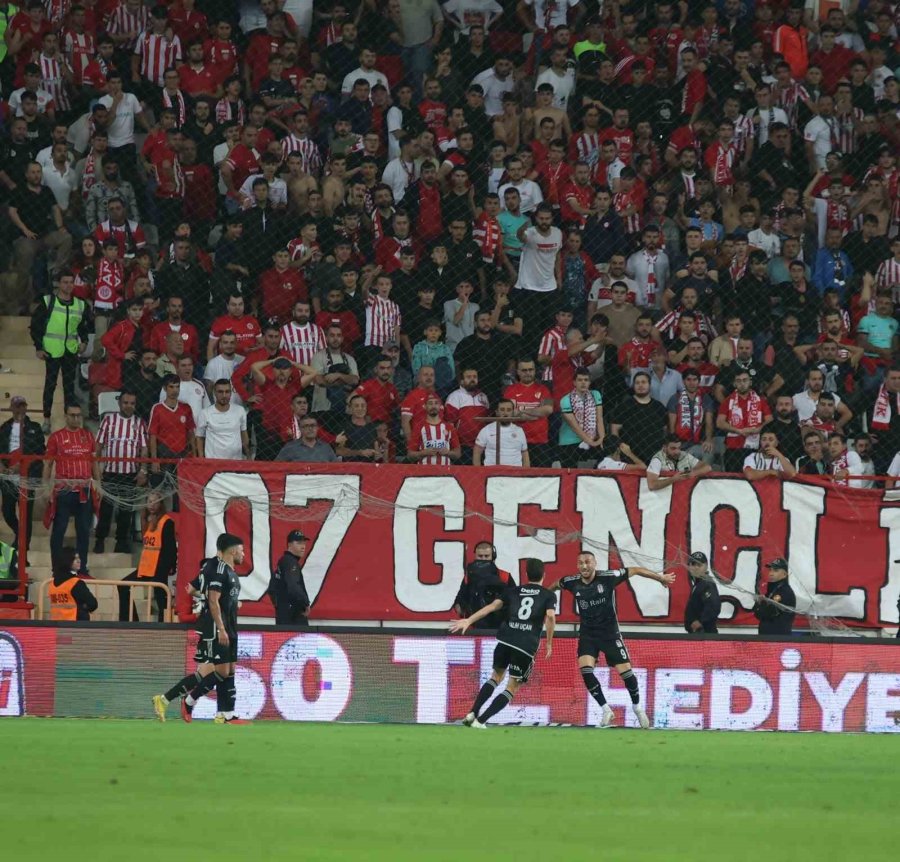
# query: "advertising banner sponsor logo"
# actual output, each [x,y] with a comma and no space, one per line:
[27,671]
[391,542]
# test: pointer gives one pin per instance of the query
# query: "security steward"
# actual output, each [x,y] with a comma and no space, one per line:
[70,598]
[158,560]
[482,584]
[775,620]
[701,613]
[287,590]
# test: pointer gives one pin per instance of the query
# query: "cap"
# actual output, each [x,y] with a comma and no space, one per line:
[16,400]
[296,536]
[698,557]
[281,362]
[778,563]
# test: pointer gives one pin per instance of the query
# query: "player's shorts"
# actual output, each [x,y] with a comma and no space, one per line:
[517,662]
[212,652]
[614,650]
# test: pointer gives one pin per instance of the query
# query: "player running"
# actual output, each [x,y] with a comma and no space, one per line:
[218,643]
[528,608]
[197,591]
[599,633]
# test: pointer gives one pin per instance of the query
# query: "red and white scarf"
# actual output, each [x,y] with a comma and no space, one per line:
[689,416]
[651,276]
[748,414]
[837,216]
[723,175]
[585,411]
[881,415]
[842,462]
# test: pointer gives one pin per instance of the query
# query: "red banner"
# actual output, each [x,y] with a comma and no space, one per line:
[27,671]
[391,542]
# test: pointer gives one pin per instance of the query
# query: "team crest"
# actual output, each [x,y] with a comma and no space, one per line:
[183,419]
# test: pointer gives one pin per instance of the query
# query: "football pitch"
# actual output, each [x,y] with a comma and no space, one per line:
[140,790]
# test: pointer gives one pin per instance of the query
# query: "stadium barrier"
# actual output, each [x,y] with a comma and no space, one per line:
[718,683]
[98,588]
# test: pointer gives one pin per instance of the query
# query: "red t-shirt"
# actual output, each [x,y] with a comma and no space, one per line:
[276,406]
[243,162]
[414,405]
[638,352]
[172,427]
[530,398]
[261,47]
[74,450]
[564,367]
[244,327]
[199,193]
[188,335]
[222,57]
[279,291]
[582,195]
[195,82]
[348,323]
[381,398]
[187,26]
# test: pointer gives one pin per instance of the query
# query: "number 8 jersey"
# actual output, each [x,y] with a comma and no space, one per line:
[525,607]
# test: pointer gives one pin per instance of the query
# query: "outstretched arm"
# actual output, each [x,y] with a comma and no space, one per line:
[461,626]
[664,578]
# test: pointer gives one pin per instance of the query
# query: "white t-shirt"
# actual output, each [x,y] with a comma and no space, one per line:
[222,431]
[373,76]
[121,129]
[537,266]
[302,13]
[855,468]
[394,124]
[563,85]
[221,368]
[806,407]
[192,393]
[469,12]
[659,463]
[529,192]
[609,464]
[278,193]
[512,445]
[818,132]
[768,242]
[894,469]
[494,88]
[758,461]
[552,14]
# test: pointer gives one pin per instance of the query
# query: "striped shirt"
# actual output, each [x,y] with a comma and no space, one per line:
[888,274]
[789,99]
[227,111]
[552,342]
[53,82]
[177,103]
[311,159]
[122,21]
[382,320]
[585,147]
[56,11]
[434,436]
[79,50]
[668,326]
[157,53]
[844,135]
[302,341]
[743,132]
[120,438]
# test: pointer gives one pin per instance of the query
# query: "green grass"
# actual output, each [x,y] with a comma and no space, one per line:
[139,790]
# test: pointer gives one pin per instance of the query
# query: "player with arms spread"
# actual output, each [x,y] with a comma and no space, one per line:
[528,608]
[197,590]
[599,634]
[218,630]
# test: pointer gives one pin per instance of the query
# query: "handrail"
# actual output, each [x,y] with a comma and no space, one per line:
[146,584]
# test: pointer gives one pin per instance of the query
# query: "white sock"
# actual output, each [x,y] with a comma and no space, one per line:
[228,715]
[190,701]
[164,699]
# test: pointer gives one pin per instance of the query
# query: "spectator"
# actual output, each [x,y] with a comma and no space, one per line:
[360,435]
[222,426]
[640,420]
[846,465]
[434,440]
[431,351]
[223,365]
[877,336]
[336,377]
[813,462]
[665,382]
[60,325]
[671,459]
[382,398]
[123,344]
[691,417]
[19,435]
[805,402]
[742,416]
[175,322]
[614,454]
[537,280]
[769,460]
[533,406]
[582,430]
[481,349]
[70,597]
[121,440]
[158,560]
[465,409]
[171,429]
[111,188]
[785,426]
[863,447]
[191,391]
[459,315]
[69,461]
[276,389]
[309,449]
[501,443]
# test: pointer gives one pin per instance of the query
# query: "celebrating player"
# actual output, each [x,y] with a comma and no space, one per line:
[595,596]
[218,630]
[197,590]
[529,608]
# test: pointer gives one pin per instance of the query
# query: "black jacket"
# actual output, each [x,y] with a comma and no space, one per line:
[41,315]
[82,594]
[286,586]
[33,444]
[704,605]
[482,584]
[772,619]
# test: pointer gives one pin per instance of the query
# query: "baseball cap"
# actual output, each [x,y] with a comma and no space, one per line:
[16,400]
[296,536]
[778,563]
[281,362]
[698,557]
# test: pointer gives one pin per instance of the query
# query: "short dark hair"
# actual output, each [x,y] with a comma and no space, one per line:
[534,569]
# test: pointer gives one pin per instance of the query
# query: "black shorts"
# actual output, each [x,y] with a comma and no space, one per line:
[613,649]
[210,651]
[517,662]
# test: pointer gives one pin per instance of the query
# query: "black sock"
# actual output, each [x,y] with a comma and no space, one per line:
[592,684]
[182,687]
[222,694]
[483,696]
[631,684]
[500,702]
[208,683]
[231,693]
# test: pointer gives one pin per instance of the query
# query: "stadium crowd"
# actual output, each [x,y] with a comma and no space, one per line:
[650,235]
